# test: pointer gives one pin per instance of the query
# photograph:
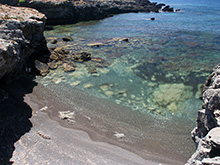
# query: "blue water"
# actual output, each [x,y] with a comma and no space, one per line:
[160,70]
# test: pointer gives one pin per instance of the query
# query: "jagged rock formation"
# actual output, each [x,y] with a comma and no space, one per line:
[21,34]
[70,11]
[207,133]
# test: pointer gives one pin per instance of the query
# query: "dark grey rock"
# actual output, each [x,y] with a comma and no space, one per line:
[168,9]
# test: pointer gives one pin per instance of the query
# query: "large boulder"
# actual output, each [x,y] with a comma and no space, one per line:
[21,34]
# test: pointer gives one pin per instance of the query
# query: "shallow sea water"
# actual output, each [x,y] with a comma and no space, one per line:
[158,72]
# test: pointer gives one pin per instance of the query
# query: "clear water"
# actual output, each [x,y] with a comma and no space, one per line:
[159,71]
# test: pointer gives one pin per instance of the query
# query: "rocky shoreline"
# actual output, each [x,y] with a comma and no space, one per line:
[207,133]
[69,11]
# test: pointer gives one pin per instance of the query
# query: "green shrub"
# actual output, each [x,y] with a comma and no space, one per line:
[20,1]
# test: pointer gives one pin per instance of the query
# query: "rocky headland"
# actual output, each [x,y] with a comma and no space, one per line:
[70,11]
[207,133]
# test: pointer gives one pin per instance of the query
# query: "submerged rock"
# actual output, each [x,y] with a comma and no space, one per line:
[75,83]
[124,39]
[97,59]
[52,65]
[171,96]
[42,67]
[67,67]
[109,93]
[81,57]
[59,54]
[97,44]
[88,86]
[104,87]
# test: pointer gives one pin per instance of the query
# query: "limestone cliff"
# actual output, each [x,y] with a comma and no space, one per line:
[207,133]
[21,34]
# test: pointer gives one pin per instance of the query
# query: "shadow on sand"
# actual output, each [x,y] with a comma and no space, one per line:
[14,115]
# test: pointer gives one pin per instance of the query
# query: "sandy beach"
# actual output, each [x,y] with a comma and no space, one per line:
[96,133]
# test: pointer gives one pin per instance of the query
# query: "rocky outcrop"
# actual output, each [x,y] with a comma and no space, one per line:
[207,133]
[69,11]
[168,9]
[21,34]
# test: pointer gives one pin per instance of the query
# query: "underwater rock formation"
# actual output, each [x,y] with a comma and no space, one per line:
[21,34]
[171,95]
[207,133]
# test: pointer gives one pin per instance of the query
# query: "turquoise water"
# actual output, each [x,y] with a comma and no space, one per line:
[159,70]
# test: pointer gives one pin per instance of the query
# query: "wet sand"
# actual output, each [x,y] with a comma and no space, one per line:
[89,136]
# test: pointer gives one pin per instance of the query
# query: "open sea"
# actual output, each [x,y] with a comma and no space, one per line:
[157,72]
